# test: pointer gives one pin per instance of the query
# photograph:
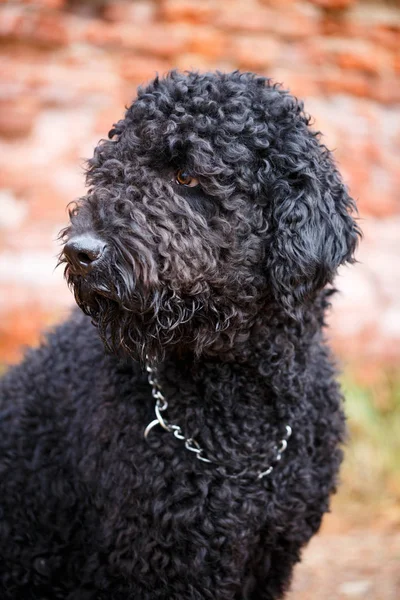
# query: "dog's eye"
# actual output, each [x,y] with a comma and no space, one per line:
[183,178]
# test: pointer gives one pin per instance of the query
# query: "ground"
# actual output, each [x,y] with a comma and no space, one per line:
[358,563]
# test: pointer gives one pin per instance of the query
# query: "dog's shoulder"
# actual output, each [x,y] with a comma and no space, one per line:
[53,380]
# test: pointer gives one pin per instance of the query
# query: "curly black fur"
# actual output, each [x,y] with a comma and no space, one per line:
[222,285]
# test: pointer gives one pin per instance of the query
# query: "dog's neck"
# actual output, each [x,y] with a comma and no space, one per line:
[273,339]
[218,401]
[262,334]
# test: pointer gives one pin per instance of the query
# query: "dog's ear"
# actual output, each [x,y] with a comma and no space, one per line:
[312,230]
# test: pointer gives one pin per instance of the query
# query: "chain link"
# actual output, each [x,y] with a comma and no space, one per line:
[191,444]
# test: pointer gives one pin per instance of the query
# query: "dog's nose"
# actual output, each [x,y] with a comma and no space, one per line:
[83,253]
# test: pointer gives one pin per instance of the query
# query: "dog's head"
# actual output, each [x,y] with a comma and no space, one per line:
[211,203]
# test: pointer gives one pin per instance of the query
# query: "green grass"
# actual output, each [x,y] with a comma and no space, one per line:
[371,471]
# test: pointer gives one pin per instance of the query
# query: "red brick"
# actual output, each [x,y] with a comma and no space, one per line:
[21,327]
[348,54]
[331,25]
[189,11]
[299,22]
[19,65]
[334,4]
[208,42]
[336,82]
[236,16]
[193,62]
[46,202]
[101,33]
[372,152]
[11,19]
[368,60]
[385,89]
[44,28]
[159,40]
[106,117]
[278,3]
[98,64]
[396,64]
[301,84]
[140,12]
[386,35]
[294,22]
[50,29]
[255,51]
[17,115]
[370,181]
[45,3]
[139,69]
[337,24]
[12,177]
[376,204]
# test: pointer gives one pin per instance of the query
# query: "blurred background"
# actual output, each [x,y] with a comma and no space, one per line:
[68,68]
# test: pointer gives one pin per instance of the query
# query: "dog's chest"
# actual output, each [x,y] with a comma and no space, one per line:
[154,495]
[162,515]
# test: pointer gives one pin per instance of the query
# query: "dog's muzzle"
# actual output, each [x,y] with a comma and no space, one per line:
[83,253]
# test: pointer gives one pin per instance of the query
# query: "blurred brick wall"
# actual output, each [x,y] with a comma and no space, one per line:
[67,69]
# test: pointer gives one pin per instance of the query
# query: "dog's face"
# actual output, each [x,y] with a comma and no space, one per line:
[210,203]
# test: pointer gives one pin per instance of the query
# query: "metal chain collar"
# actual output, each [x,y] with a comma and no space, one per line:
[190,443]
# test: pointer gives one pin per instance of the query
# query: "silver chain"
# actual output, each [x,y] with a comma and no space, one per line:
[161,406]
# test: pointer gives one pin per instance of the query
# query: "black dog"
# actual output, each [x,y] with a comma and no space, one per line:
[213,221]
